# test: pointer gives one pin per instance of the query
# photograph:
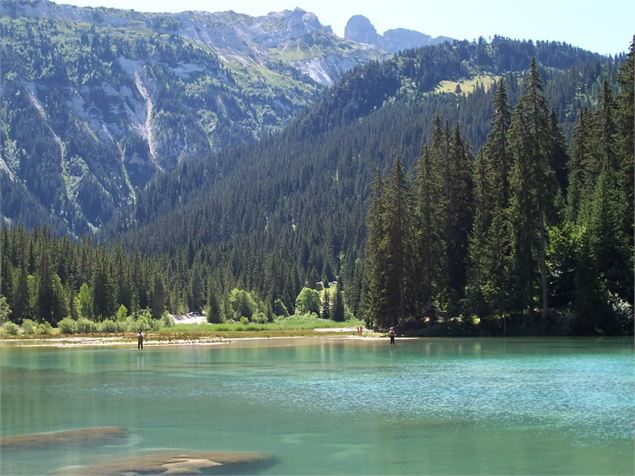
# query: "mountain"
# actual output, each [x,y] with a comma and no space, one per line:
[290,210]
[94,101]
[360,29]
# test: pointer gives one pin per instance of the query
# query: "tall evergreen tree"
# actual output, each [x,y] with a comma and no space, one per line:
[578,166]
[397,218]
[326,305]
[429,236]
[458,216]
[158,297]
[374,295]
[489,242]
[338,306]
[214,304]
[533,193]
[103,299]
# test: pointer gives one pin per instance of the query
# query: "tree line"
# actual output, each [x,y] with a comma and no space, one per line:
[529,233]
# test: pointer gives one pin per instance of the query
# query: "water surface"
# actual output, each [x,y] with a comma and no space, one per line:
[435,406]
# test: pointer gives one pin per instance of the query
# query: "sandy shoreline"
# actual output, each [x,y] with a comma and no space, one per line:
[127,341]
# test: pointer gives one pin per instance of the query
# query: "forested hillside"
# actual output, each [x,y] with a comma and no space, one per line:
[296,213]
[530,234]
[95,102]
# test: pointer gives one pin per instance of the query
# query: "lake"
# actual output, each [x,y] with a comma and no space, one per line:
[422,406]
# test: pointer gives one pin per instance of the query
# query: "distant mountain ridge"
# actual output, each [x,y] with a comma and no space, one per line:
[293,37]
[360,29]
[97,101]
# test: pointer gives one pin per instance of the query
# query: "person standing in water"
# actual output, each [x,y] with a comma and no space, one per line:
[140,338]
[391,334]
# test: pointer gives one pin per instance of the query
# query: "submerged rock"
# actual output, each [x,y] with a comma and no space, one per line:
[180,462]
[96,435]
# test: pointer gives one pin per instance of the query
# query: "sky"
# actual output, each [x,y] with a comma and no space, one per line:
[603,26]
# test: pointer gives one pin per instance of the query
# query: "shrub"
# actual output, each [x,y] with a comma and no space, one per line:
[108,326]
[279,309]
[242,303]
[244,321]
[44,329]
[166,320]
[10,328]
[143,322]
[86,326]
[28,327]
[308,301]
[67,326]
[121,314]
[259,317]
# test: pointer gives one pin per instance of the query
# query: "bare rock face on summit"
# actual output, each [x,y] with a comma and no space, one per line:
[360,29]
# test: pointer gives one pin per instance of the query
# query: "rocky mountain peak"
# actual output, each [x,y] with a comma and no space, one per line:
[360,29]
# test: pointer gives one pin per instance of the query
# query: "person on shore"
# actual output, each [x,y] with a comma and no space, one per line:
[391,334]
[140,337]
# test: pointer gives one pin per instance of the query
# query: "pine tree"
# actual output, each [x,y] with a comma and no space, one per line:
[397,218]
[21,298]
[45,292]
[558,154]
[489,242]
[533,193]
[338,307]
[374,293]
[214,307]
[158,297]
[103,299]
[578,166]
[429,236]
[326,305]
[459,217]
[625,123]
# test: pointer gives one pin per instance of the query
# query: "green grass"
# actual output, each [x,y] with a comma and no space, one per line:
[291,326]
[467,85]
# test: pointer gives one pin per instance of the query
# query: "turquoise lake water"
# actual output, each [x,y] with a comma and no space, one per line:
[435,406]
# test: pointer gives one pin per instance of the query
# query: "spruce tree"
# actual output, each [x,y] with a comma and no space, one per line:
[489,242]
[429,231]
[578,166]
[158,297]
[397,217]
[326,305]
[458,216]
[374,288]
[214,305]
[534,190]
[338,306]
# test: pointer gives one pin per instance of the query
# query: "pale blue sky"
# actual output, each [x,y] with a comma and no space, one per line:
[604,26]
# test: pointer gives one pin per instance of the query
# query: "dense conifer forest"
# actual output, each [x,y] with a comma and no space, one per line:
[529,234]
[501,210]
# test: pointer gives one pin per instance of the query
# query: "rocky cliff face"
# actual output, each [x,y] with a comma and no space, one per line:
[360,29]
[95,102]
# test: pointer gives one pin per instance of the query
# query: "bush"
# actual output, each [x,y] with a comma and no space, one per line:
[122,313]
[244,321]
[259,317]
[10,328]
[44,329]
[109,326]
[67,326]
[308,301]
[144,322]
[166,320]
[28,327]
[279,309]
[86,326]
[242,303]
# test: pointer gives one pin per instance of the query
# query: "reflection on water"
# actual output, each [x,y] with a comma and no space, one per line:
[423,406]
